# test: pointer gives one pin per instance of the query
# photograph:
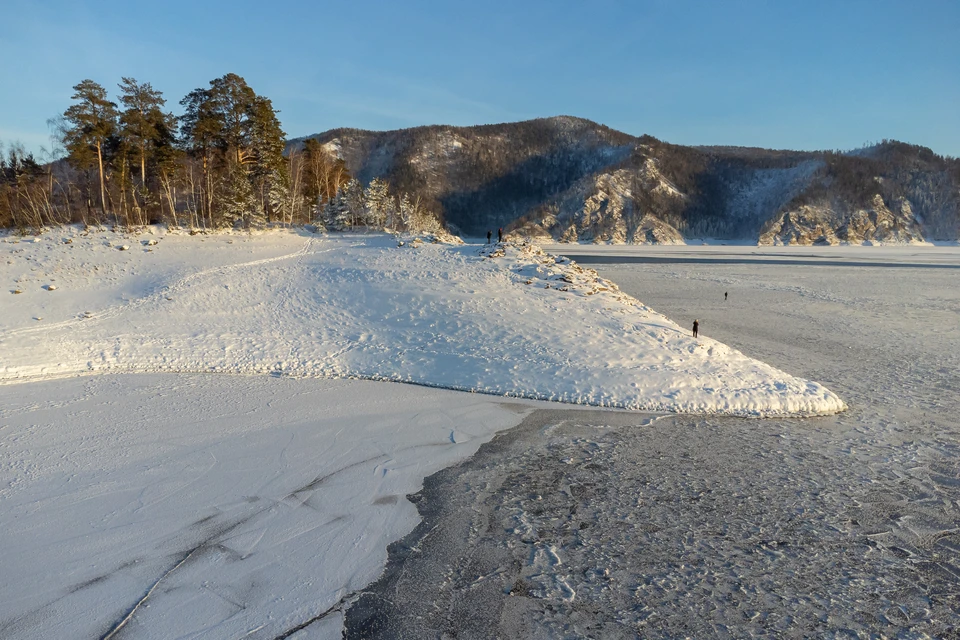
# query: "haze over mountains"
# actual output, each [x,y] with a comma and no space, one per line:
[571,179]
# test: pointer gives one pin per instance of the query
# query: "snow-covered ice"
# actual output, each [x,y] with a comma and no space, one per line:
[620,525]
[186,505]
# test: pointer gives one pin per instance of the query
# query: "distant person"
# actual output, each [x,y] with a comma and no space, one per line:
[696,328]
[724,293]
[500,234]
[489,235]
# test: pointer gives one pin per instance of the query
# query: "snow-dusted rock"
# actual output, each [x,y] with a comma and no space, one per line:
[823,224]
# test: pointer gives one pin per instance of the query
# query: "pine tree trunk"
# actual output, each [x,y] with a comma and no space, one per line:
[207,197]
[103,188]
[165,185]
[143,185]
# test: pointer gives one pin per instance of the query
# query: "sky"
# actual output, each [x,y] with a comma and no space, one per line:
[776,74]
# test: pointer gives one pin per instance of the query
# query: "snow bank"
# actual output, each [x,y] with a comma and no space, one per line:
[501,319]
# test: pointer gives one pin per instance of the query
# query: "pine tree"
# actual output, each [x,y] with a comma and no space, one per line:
[353,197]
[142,121]
[119,153]
[168,158]
[237,134]
[269,171]
[336,213]
[90,123]
[231,100]
[377,202]
[239,204]
[279,205]
[199,134]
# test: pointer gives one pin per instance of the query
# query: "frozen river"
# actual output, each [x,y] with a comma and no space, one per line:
[609,524]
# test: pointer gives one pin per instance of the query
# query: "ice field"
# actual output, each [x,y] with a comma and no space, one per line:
[599,524]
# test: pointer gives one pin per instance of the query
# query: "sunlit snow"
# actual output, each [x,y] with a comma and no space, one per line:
[506,320]
[177,503]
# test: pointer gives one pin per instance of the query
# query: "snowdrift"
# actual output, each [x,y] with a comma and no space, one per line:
[503,319]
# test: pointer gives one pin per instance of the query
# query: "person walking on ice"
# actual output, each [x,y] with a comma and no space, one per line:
[489,233]
[724,296]
[696,328]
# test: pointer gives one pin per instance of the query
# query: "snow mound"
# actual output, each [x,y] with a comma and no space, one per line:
[505,319]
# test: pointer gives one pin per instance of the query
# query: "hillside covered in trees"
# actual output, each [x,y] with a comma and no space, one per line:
[225,162]
[570,179]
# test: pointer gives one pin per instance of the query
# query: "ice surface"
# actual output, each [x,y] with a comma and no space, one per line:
[589,524]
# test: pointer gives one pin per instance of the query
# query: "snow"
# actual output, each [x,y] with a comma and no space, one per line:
[175,503]
[231,506]
[511,322]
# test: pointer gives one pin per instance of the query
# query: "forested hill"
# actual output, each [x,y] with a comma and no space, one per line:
[572,179]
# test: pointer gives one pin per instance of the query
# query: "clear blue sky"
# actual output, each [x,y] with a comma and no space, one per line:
[779,74]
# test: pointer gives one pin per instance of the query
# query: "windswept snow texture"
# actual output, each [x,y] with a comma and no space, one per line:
[502,319]
[204,506]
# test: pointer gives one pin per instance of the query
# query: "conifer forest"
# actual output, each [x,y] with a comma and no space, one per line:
[129,161]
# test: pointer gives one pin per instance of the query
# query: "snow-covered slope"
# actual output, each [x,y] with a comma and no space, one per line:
[504,319]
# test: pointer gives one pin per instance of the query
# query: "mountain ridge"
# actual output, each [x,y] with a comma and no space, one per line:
[567,178]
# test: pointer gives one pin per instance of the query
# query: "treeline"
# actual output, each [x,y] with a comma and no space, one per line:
[221,164]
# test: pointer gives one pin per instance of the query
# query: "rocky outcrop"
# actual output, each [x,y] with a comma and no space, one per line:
[606,209]
[878,224]
[654,231]
[881,225]
[804,226]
